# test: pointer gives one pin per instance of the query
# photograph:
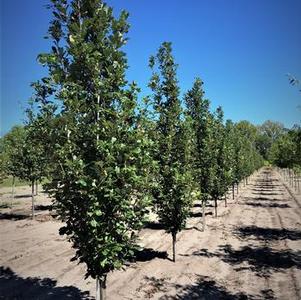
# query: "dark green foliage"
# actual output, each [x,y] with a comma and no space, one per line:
[221,154]
[100,176]
[22,155]
[229,153]
[104,156]
[267,134]
[11,152]
[173,192]
[199,119]
[247,157]
[285,152]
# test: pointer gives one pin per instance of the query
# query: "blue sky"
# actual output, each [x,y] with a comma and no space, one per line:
[241,49]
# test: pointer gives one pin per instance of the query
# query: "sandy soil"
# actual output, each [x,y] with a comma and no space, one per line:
[252,250]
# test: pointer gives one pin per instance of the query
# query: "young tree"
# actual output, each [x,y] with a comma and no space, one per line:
[28,160]
[230,156]
[219,159]
[100,178]
[198,116]
[247,157]
[3,160]
[285,152]
[173,194]
[11,155]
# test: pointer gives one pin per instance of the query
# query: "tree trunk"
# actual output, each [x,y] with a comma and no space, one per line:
[36,188]
[174,236]
[32,198]
[215,206]
[97,118]
[12,192]
[203,213]
[226,200]
[233,191]
[101,288]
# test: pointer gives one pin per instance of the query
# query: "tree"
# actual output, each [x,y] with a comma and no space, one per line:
[102,159]
[219,185]
[11,155]
[285,152]
[28,161]
[198,116]
[267,134]
[229,156]
[272,130]
[173,193]
[247,158]
[23,156]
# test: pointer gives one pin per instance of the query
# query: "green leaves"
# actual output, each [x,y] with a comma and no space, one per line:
[82,182]
[109,158]
[173,178]
[46,58]
[93,223]
[101,161]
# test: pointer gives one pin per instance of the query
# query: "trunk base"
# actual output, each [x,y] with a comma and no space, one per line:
[174,239]
[32,198]
[203,214]
[101,288]
[215,207]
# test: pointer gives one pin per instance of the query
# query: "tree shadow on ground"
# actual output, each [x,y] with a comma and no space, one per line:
[12,216]
[208,289]
[268,191]
[147,254]
[264,186]
[43,207]
[261,260]
[269,180]
[194,228]
[201,252]
[199,214]
[267,234]
[154,226]
[153,285]
[200,205]
[274,193]
[22,196]
[13,286]
[267,205]
[265,199]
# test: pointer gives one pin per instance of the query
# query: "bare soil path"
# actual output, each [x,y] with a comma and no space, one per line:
[252,250]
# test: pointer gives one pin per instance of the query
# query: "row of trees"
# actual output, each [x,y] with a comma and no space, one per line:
[23,158]
[285,152]
[108,159]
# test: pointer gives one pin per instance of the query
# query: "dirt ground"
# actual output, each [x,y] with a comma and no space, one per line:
[252,250]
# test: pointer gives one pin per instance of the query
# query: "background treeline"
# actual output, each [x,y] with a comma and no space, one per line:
[110,158]
[277,145]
